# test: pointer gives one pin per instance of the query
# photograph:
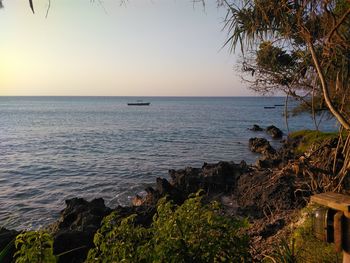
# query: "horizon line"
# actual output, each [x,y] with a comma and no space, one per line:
[143,96]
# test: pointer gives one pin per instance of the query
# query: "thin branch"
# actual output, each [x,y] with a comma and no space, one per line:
[48,8]
[338,25]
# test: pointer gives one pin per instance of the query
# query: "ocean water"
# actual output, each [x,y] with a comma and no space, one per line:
[54,148]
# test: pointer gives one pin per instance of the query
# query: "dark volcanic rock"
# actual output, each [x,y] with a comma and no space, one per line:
[272,158]
[186,179]
[274,132]
[78,242]
[261,145]
[7,238]
[76,228]
[220,177]
[213,178]
[82,215]
[256,128]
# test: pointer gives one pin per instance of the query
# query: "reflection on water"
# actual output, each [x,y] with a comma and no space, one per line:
[54,148]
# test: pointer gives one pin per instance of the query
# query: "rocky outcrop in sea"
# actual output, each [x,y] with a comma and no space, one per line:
[267,193]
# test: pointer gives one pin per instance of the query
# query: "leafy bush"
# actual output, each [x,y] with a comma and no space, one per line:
[34,247]
[192,232]
[116,242]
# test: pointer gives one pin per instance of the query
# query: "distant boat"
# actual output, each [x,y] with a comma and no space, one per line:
[139,103]
[269,107]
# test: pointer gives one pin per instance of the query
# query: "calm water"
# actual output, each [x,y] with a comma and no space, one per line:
[54,148]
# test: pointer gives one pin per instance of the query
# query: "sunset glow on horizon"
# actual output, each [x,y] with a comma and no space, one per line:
[148,48]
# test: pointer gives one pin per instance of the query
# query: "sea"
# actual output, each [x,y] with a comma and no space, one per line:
[56,148]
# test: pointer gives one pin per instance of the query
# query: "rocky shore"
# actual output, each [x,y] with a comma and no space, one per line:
[269,193]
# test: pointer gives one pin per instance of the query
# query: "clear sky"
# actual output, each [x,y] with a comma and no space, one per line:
[146,48]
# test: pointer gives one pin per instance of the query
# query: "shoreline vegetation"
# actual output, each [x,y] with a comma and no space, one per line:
[223,212]
[230,212]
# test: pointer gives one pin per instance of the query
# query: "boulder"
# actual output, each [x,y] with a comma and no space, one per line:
[219,177]
[261,145]
[274,132]
[222,176]
[81,215]
[213,178]
[256,128]
[187,180]
[75,229]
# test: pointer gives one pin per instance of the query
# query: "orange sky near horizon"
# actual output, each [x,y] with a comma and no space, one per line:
[159,48]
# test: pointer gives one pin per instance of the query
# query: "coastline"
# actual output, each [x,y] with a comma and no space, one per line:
[222,182]
[269,193]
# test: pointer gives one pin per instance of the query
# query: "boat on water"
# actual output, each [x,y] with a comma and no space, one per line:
[139,103]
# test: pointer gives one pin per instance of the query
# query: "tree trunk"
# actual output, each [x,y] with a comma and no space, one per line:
[340,117]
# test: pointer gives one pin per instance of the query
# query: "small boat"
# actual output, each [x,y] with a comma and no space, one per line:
[139,103]
[269,107]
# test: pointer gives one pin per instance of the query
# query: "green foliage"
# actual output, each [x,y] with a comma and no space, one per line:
[34,247]
[192,232]
[273,58]
[309,248]
[303,48]
[119,242]
[304,246]
[310,138]
[283,253]
[197,233]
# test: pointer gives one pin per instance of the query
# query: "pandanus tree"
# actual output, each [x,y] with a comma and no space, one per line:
[297,45]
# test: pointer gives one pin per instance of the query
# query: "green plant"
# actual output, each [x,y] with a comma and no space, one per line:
[309,248]
[311,138]
[119,242]
[192,232]
[34,247]
[197,233]
[283,253]
[302,246]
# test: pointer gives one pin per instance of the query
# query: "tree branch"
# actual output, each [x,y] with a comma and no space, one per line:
[326,96]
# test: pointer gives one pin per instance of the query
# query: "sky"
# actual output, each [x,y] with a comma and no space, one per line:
[143,48]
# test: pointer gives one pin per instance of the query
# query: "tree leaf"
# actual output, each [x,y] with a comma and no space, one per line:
[31,5]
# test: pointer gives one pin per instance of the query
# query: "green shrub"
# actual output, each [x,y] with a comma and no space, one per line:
[309,248]
[34,247]
[311,138]
[304,246]
[192,232]
[119,242]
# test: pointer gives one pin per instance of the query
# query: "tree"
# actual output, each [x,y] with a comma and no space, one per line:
[297,45]
[298,41]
